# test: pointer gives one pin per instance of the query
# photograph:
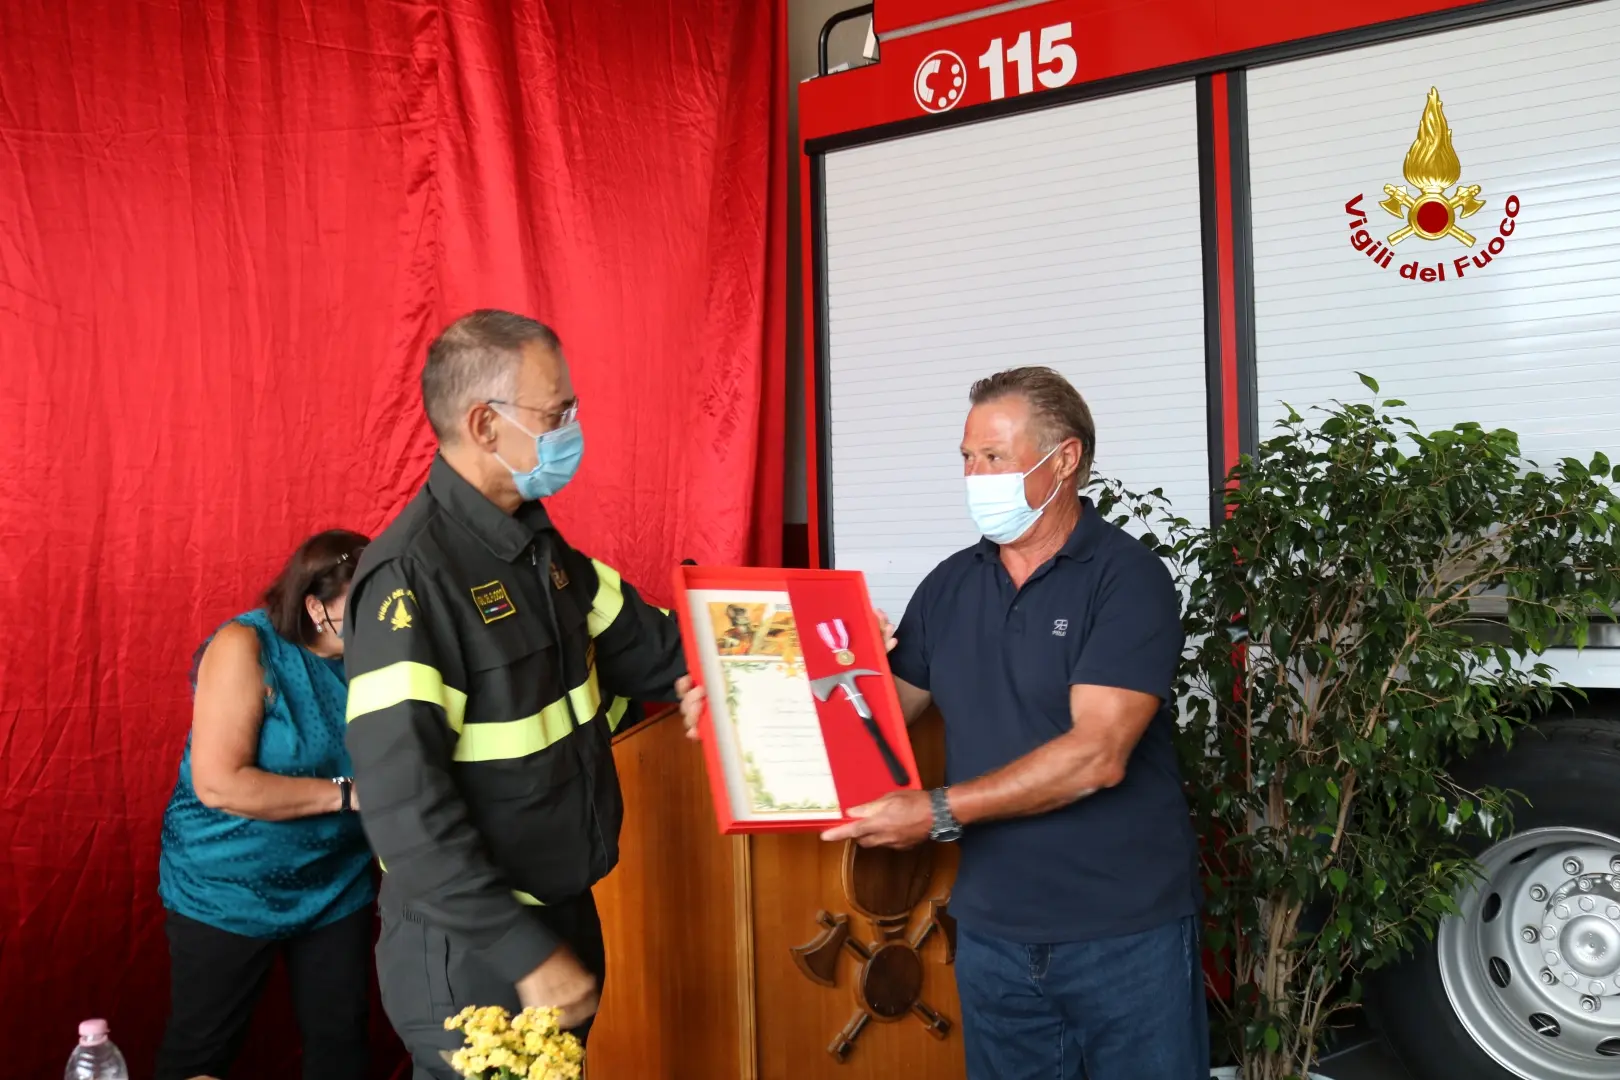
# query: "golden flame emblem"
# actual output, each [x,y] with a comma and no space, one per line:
[1432,167]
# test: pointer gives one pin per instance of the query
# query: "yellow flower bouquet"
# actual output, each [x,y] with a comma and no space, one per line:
[528,1046]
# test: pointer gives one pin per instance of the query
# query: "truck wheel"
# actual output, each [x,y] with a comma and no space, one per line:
[1526,983]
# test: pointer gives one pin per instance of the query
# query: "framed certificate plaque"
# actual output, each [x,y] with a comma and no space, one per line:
[802,720]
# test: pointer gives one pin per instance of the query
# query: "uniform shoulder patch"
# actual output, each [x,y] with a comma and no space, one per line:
[397,609]
[493,603]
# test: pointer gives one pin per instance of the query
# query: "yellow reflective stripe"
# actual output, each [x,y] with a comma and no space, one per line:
[587,697]
[407,680]
[514,738]
[530,734]
[608,601]
[616,712]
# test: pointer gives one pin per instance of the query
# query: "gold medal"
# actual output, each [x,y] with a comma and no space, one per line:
[836,638]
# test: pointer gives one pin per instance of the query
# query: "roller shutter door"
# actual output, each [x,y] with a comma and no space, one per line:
[1531,339]
[1067,237]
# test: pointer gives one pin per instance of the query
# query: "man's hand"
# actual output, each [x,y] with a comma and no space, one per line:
[561,983]
[691,704]
[692,696]
[901,819]
[889,640]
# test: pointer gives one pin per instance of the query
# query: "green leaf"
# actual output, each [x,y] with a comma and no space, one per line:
[1368,381]
[1326,614]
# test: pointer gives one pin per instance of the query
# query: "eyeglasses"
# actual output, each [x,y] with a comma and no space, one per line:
[554,418]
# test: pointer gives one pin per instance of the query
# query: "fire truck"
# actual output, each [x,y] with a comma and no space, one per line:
[1205,212]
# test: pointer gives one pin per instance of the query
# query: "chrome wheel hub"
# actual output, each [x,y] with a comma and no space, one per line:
[1532,966]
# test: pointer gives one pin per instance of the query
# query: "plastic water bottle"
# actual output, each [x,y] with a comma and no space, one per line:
[96,1058]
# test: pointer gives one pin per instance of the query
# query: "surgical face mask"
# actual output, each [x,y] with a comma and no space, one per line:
[556,458]
[998,506]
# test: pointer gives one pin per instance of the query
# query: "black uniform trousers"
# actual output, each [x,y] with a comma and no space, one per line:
[216,979]
[427,977]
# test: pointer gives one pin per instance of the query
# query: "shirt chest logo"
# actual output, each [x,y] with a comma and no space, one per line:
[1060,627]
[493,603]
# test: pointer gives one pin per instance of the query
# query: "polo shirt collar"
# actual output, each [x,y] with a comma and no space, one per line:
[507,536]
[1082,541]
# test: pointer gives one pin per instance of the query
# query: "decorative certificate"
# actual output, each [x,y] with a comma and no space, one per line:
[760,701]
[801,721]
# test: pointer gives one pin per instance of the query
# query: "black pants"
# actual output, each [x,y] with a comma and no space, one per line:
[427,977]
[216,979]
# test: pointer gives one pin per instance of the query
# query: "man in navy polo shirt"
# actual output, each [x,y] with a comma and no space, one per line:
[1049,647]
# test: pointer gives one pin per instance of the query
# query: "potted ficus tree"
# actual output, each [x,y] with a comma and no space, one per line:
[1338,670]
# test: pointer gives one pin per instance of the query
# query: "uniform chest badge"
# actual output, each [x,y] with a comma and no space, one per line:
[493,603]
[558,577]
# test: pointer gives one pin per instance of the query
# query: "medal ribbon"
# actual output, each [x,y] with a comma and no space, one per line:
[833,635]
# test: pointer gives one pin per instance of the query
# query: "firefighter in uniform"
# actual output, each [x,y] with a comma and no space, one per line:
[489,665]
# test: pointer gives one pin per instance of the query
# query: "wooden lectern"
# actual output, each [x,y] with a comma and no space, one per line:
[771,957]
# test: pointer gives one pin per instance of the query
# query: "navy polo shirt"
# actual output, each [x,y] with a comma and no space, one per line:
[999,662]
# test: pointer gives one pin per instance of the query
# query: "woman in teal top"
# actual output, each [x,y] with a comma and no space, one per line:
[262,850]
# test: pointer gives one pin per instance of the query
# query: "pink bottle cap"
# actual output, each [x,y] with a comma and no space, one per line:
[93,1032]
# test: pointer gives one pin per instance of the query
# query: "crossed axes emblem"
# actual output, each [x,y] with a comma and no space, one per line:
[1464,202]
[884,886]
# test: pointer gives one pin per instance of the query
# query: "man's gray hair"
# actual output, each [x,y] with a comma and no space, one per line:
[475,359]
[1056,409]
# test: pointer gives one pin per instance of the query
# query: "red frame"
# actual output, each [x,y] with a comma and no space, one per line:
[1111,44]
[1108,34]
[849,750]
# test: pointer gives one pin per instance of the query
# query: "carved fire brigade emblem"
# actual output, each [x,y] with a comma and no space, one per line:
[1432,167]
[885,887]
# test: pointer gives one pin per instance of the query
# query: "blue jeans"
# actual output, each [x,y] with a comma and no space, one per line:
[1123,1008]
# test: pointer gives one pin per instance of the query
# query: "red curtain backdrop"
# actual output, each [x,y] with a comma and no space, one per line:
[227,233]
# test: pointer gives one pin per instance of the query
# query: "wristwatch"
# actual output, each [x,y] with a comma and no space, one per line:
[946,830]
[346,786]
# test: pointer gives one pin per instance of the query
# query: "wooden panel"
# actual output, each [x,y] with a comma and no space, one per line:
[678,1000]
[794,878]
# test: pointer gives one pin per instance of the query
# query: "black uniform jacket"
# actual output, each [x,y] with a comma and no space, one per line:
[489,665]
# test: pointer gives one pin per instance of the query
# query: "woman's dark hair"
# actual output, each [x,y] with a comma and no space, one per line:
[322,567]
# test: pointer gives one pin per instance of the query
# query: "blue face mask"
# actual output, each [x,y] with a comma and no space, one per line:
[998,506]
[556,459]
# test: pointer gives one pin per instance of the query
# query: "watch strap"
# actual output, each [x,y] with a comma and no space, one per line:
[946,827]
